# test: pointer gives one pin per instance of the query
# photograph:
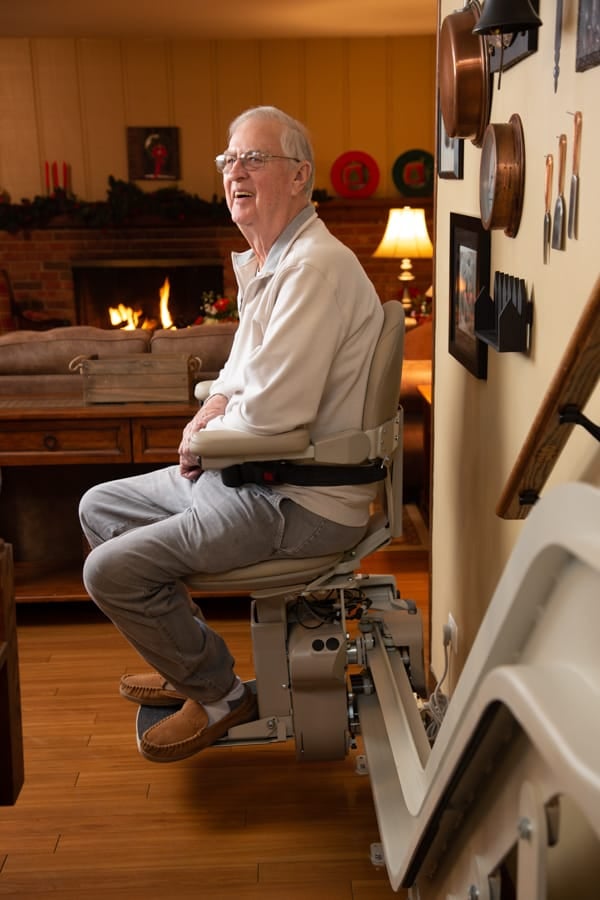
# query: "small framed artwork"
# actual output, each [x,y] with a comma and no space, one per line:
[153,153]
[450,153]
[587,52]
[469,274]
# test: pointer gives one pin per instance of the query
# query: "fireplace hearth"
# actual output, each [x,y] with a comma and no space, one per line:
[136,284]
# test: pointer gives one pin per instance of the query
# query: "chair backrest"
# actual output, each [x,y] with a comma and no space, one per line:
[381,405]
[383,389]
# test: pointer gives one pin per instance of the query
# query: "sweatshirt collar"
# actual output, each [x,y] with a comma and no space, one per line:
[245,262]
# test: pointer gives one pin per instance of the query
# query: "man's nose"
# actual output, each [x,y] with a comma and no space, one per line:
[237,166]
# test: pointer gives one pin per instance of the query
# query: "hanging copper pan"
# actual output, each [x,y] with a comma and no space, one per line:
[465,88]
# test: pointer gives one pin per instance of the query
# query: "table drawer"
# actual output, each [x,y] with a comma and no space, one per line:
[46,442]
[157,440]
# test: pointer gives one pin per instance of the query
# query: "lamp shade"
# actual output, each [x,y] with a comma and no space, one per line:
[406,236]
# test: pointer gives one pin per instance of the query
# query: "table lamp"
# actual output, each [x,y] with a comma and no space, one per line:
[405,238]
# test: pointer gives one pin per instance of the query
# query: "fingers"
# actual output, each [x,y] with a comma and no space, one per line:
[192,473]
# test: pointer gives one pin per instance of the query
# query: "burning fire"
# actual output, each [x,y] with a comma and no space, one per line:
[124,317]
[128,319]
[165,316]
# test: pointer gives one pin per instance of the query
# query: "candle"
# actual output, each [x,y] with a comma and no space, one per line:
[47,176]
[54,176]
[65,173]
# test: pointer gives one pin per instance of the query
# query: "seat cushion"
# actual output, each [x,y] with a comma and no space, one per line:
[270,573]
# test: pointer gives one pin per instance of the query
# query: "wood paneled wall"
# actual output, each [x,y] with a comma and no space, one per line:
[72,99]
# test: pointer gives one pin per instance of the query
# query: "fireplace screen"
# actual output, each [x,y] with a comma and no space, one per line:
[161,293]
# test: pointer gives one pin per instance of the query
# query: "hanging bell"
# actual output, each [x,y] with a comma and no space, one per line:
[507,17]
[502,20]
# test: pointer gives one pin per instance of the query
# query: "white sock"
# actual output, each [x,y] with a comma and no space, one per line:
[222,707]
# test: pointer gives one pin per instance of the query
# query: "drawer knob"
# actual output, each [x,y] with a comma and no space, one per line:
[50,442]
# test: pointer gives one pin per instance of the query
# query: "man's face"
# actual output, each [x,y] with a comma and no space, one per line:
[262,202]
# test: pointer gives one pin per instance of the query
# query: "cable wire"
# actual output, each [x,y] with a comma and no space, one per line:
[437,705]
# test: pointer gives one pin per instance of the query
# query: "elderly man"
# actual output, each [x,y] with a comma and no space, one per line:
[309,322]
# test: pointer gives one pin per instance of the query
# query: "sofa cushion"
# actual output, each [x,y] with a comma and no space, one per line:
[50,352]
[41,386]
[210,343]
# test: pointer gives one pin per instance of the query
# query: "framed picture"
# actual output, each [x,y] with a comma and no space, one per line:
[450,153]
[588,35]
[153,153]
[469,273]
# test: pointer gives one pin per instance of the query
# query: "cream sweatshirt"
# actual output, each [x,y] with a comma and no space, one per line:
[309,323]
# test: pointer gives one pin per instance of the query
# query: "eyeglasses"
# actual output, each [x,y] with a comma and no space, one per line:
[251,160]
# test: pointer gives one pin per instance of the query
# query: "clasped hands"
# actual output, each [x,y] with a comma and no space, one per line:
[214,406]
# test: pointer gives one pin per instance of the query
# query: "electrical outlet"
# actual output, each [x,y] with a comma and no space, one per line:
[453,629]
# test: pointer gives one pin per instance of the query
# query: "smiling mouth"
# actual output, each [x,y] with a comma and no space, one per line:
[242,195]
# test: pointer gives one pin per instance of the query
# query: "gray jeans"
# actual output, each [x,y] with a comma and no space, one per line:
[150,531]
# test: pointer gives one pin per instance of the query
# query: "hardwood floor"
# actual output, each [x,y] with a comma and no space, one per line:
[95,820]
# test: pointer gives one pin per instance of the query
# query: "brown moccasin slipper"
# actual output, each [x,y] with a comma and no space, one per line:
[149,689]
[187,731]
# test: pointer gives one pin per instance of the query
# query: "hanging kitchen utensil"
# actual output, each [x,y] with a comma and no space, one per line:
[558,228]
[557,41]
[574,198]
[547,202]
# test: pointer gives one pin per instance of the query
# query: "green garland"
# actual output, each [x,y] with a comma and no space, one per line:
[125,203]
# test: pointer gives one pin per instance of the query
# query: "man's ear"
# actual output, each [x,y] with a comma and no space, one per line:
[302,176]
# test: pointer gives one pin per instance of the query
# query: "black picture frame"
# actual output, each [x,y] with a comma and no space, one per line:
[587,53]
[524,44]
[450,153]
[469,274]
[153,153]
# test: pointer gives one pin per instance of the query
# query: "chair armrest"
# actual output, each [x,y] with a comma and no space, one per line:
[221,448]
[202,390]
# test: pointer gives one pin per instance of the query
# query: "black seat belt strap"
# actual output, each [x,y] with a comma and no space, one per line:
[272,473]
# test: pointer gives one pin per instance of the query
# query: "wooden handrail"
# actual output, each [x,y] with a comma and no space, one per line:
[572,385]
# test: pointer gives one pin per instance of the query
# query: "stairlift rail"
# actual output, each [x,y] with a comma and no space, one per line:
[532,680]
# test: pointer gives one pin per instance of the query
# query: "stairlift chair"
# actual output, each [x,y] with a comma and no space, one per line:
[506,801]
[301,607]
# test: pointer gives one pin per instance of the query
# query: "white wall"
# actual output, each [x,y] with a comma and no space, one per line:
[480,426]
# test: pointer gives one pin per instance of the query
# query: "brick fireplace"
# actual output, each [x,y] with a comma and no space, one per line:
[106,286]
[41,263]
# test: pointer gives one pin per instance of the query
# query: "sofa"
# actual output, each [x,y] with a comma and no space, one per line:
[44,364]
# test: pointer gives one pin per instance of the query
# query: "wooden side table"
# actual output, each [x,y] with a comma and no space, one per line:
[11,731]
[51,451]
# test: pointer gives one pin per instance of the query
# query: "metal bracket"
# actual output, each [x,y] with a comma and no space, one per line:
[572,415]
[567,415]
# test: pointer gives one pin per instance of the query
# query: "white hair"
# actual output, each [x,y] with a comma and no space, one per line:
[295,139]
